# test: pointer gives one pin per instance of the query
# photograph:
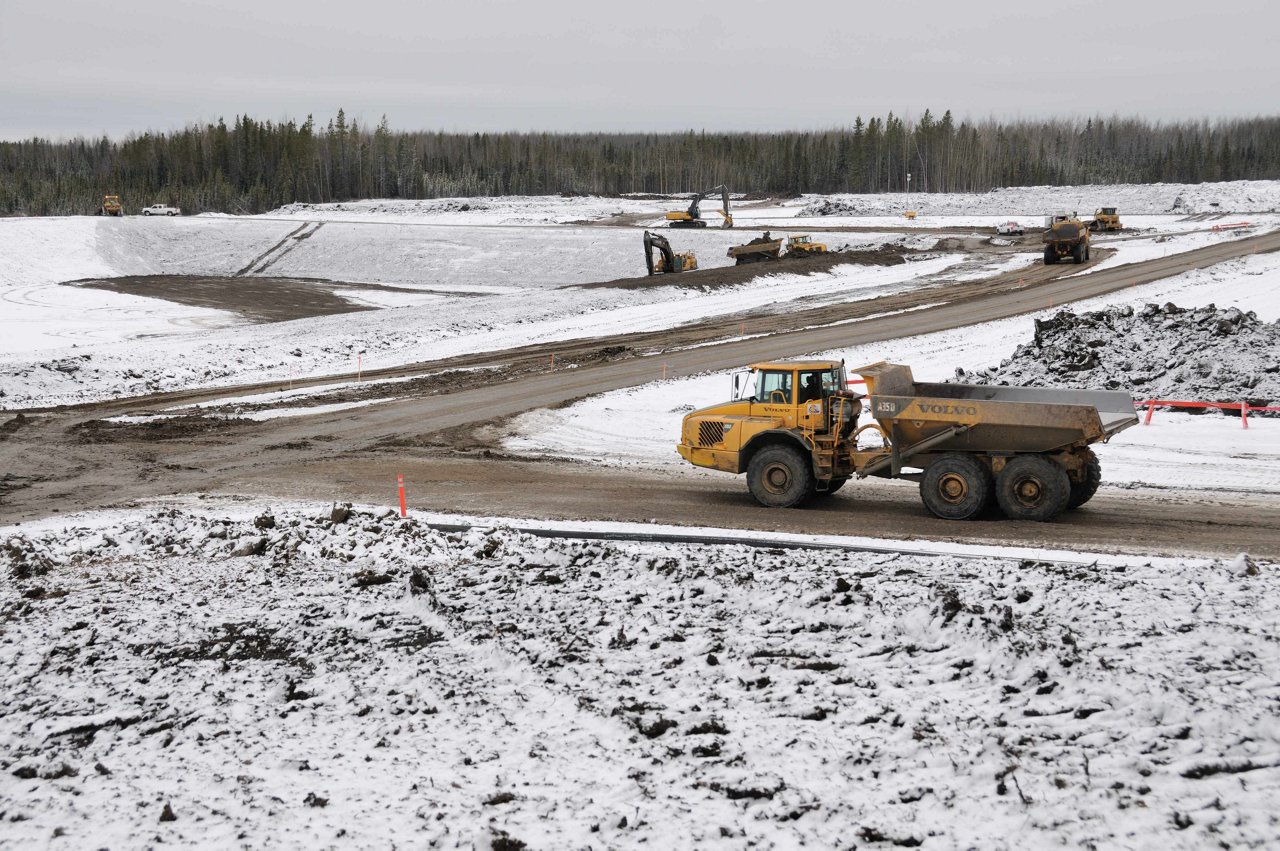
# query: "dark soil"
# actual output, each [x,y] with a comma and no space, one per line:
[728,276]
[172,428]
[257,299]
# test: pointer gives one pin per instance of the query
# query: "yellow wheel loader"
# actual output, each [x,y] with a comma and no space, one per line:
[666,261]
[692,217]
[793,428]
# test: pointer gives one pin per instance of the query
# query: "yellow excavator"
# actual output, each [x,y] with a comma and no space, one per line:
[667,261]
[692,217]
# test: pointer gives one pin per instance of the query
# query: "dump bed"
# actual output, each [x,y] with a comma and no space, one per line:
[984,418]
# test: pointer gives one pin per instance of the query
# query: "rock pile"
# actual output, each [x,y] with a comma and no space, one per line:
[1156,352]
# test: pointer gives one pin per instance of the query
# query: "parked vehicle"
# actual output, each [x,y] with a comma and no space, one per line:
[161,210]
[1010,229]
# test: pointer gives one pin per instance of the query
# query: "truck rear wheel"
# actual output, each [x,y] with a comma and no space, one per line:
[1082,492]
[1031,487]
[956,487]
[1077,253]
[780,477]
[1049,257]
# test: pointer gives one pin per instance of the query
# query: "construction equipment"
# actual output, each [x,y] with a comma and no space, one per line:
[111,206]
[667,261]
[793,429]
[692,217]
[1104,219]
[800,245]
[910,214]
[1065,236]
[760,249]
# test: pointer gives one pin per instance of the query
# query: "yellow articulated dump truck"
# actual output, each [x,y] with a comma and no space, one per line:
[793,428]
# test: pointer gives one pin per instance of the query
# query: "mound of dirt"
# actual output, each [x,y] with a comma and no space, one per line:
[1158,352]
[829,207]
[728,276]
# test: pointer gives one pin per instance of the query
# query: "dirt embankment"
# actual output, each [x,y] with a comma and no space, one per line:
[728,276]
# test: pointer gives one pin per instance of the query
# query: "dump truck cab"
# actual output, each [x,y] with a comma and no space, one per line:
[790,403]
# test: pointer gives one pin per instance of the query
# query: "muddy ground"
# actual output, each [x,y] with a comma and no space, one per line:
[254,298]
[435,433]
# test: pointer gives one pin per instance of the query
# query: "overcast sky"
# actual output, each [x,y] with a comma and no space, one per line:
[70,67]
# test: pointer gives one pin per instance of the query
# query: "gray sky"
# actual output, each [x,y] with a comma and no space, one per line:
[70,67]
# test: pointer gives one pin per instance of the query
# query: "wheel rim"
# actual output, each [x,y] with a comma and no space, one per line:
[1028,491]
[953,488]
[776,478]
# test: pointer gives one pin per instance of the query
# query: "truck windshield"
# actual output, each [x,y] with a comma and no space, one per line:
[773,386]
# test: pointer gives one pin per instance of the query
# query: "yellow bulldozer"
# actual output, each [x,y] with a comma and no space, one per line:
[793,428]
[662,260]
[1104,219]
[111,206]
[692,217]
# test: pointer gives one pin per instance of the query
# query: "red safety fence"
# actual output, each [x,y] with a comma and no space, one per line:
[1243,407]
[1231,226]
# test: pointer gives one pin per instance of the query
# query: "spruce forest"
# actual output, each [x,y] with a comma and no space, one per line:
[253,166]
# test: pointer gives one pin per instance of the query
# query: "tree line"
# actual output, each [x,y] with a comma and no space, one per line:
[253,166]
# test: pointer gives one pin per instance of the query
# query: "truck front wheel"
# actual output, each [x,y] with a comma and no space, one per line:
[779,477]
[1031,487]
[956,487]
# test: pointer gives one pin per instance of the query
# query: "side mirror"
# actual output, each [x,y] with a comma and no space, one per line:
[737,380]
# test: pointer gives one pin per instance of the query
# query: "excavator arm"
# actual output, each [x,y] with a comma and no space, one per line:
[668,261]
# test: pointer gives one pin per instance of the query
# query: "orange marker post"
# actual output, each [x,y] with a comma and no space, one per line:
[404,509]
[359,366]
[1244,414]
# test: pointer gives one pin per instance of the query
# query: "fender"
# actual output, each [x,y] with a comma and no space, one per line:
[768,438]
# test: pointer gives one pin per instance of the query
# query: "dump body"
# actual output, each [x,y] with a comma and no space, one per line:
[759,249]
[994,419]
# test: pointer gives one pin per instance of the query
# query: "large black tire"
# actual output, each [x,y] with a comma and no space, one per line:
[146,212]
[1077,253]
[780,477]
[1031,487]
[956,487]
[1049,257]
[1082,492]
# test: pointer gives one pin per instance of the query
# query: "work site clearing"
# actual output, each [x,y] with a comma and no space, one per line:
[219,626]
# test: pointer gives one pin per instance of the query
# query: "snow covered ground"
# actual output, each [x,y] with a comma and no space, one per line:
[216,676]
[640,426]
[490,276]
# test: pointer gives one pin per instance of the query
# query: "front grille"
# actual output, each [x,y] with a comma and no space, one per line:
[710,433]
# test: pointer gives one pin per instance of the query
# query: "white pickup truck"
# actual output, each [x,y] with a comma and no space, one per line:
[161,210]
[1009,229]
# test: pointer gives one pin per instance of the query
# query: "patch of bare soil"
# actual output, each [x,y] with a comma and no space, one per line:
[256,299]
[168,428]
[728,276]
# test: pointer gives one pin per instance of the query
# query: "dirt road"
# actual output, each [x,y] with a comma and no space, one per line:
[50,463]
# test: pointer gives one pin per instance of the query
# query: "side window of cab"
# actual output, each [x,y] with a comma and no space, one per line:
[774,387]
